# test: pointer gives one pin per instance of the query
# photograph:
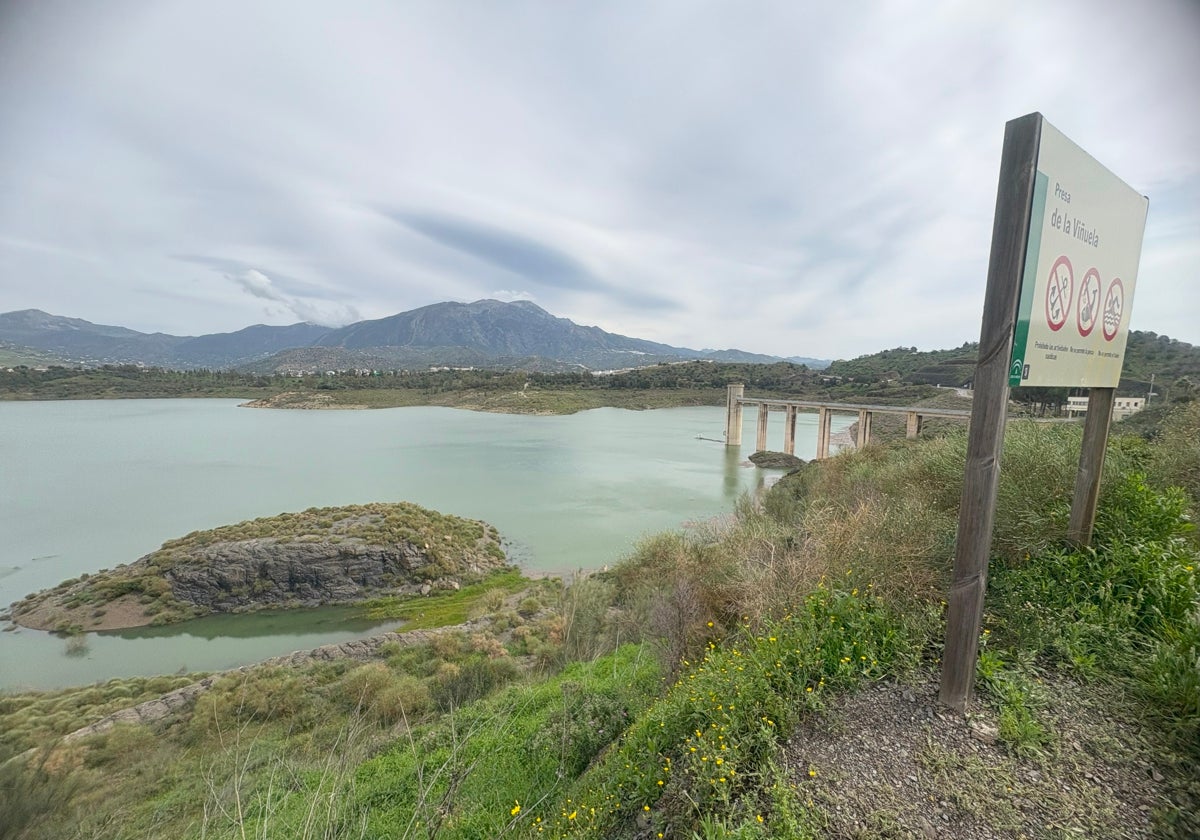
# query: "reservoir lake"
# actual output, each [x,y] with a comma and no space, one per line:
[90,484]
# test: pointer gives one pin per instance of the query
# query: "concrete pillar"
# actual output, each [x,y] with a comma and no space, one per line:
[914,425]
[864,428]
[789,431]
[761,444]
[824,425]
[733,415]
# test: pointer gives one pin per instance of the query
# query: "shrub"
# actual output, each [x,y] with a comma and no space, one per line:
[30,791]
[456,684]
[361,686]
[1175,459]
[407,699]
[588,721]
[261,694]
[1127,608]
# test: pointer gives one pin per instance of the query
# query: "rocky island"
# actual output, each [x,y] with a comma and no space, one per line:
[319,556]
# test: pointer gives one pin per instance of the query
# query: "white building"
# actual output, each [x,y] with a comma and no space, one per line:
[1122,406]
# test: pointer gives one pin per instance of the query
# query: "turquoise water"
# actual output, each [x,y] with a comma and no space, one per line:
[86,485]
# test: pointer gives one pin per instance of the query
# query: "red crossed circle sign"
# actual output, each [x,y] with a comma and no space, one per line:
[1114,308]
[1088,311]
[1059,292]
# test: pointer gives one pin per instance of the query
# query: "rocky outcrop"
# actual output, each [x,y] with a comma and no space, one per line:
[776,461]
[227,577]
[319,556]
[300,399]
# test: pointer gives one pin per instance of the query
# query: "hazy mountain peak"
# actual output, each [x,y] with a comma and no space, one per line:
[487,331]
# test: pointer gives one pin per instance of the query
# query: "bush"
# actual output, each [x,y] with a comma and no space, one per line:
[1175,459]
[262,694]
[456,684]
[588,722]
[407,699]
[30,792]
[1127,608]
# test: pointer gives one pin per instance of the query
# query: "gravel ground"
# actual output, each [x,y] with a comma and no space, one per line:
[890,763]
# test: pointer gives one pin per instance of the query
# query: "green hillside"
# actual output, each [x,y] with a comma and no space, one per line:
[14,355]
[948,368]
[1174,364]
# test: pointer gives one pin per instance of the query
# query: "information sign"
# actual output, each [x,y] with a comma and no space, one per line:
[1081,263]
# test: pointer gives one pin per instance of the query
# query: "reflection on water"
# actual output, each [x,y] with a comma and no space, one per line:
[734,466]
[262,623]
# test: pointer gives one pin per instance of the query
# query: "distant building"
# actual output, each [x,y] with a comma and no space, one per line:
[1122,406]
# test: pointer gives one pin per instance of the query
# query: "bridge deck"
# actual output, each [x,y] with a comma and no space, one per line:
[849,407]
[737,401]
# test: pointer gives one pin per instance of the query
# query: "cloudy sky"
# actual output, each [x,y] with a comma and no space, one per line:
[784,177]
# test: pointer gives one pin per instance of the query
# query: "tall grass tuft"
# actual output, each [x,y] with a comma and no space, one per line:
[1175,459]
[30,790]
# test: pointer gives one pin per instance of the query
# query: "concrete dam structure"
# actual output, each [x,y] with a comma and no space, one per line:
[737,401]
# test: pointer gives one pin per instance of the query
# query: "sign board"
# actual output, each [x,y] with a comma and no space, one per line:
[1081,263]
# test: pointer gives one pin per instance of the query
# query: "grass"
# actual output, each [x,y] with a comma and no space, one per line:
[377,524]
[31,719]
[445,608]
[221,767]
[887,516]
[507,756]
[1175,459]
[705,747]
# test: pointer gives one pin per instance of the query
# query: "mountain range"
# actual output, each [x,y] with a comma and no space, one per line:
[486,333]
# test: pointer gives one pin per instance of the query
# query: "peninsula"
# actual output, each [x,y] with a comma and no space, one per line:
[320,556]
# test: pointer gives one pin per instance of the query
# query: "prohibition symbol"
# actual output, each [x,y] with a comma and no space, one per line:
[1089,302]
[1114,308]
[1059,292]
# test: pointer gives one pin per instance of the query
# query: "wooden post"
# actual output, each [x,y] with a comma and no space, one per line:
[1091,465]
[977,508]
[789,431]
[761,445]
[733,415]
[824,422]
[864,428]
[913,427]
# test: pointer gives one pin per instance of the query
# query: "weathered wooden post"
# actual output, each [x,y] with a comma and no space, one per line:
[1065,230]
[1091,465]
[985,438]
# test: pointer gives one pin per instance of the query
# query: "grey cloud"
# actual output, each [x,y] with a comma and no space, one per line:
[509,295]
[514,253]
[260,286]
[792,179]
[317,309]
[520,256]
